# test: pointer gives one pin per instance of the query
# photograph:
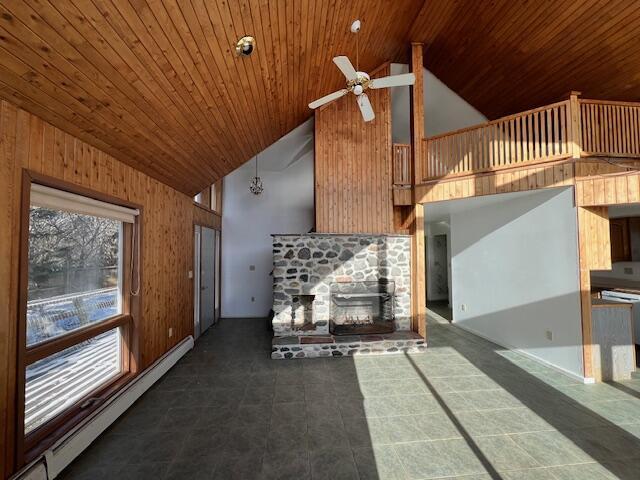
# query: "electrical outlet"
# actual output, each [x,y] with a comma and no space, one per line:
[170,332]
[463,307]
[549,335]
[628,270]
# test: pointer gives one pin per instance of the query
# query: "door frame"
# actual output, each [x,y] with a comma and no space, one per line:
[197,233]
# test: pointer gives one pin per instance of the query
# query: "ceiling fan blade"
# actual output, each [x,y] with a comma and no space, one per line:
[365,108]
[344,64]
[393,81]
[328,98]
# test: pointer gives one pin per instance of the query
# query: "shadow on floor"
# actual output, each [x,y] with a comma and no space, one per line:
[592,429]
[464,410]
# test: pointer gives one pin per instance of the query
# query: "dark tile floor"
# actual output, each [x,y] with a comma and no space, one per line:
[466,409]
[442,308]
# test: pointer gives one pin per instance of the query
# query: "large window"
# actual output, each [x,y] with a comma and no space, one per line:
[81,276]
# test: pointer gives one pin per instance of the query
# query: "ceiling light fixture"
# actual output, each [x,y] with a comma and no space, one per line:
[256,187]
[245,46]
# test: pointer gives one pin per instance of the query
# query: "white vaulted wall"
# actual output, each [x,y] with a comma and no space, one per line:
[285,206]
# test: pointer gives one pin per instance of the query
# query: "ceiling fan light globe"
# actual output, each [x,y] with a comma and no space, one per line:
[358,89]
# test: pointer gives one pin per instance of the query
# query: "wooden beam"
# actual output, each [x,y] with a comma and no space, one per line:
[418,271]
[417,111]
[594,251]
[418,260]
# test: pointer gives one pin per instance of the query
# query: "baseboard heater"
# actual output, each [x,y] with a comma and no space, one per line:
[65,450]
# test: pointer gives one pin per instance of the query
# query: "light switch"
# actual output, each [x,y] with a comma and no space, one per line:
[190,274]
[252,268]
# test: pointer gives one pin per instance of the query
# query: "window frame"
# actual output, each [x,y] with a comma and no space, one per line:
[215,193]
[30,445]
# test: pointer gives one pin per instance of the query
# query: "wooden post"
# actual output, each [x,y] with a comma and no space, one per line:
[576,131]
[416,94]
[594,253]
[418,260]
[418,272]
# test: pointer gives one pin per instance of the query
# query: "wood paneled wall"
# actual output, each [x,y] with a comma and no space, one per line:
[27,142]
[599,182]
[549,175]
[353,166]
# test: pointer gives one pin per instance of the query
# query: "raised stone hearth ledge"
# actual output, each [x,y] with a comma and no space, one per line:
[305,266]
[315,346]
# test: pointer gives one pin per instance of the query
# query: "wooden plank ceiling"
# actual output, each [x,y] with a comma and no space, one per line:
[156,84]
[506,56]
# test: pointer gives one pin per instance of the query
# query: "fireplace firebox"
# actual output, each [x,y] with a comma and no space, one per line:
[361,308]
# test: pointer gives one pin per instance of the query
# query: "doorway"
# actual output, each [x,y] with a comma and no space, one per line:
[438,267]
[207,278]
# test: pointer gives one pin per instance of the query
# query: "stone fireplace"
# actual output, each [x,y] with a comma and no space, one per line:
[361,308]
[326,284]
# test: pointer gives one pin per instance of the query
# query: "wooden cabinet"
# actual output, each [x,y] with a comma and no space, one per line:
[620,245]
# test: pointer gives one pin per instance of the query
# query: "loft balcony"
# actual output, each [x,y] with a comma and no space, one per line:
[574,128]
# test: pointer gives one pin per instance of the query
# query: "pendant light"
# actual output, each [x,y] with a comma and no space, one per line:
[256,186]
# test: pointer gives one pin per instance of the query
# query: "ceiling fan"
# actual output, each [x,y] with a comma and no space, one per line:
[359,82]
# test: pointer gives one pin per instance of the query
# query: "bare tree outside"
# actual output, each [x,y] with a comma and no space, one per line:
[73,271]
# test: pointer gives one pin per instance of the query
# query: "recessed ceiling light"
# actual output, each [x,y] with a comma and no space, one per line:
[245,46]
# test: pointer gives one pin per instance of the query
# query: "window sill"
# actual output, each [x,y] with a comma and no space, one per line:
[39,440]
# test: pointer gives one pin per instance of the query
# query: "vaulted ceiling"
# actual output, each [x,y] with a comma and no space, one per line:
[156,83]
[506,56]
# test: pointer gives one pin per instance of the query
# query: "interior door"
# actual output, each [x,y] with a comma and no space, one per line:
[217,277]
[439,264]
[196,281]
[207,278]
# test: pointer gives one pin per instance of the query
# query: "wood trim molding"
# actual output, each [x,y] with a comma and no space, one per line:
[55,345]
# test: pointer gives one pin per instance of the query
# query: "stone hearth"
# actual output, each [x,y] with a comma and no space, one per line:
[307,266]
[317,346]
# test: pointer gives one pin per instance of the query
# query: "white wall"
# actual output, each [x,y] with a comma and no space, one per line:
[286,206]
[515,273]
[444,109]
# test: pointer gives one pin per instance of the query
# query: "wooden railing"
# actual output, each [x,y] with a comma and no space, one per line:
[610,128]
[538,135]
[571,128]
[401,164]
